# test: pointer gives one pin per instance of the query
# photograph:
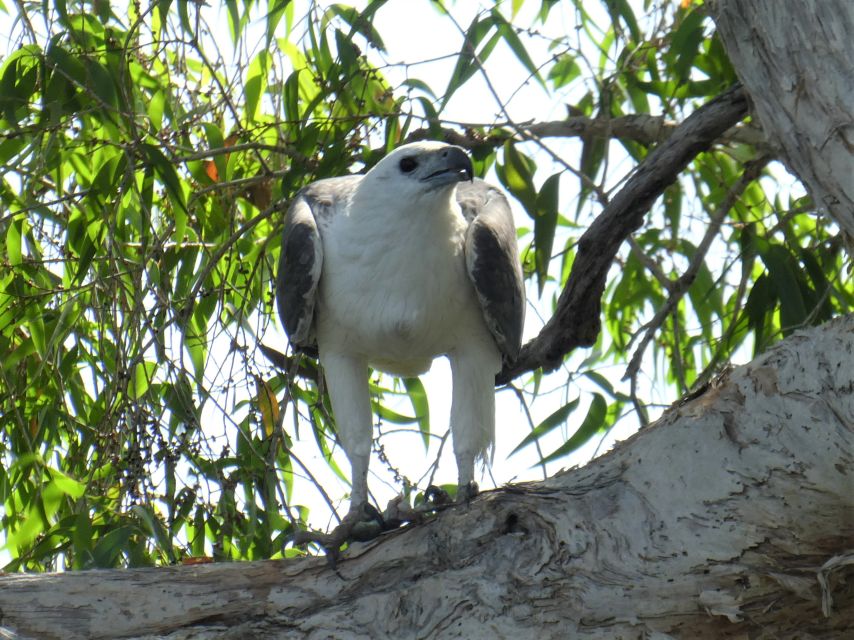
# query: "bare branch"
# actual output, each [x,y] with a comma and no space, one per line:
[576,321]
[641,128]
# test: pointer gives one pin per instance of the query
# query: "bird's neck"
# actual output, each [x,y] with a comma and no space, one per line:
[427,211]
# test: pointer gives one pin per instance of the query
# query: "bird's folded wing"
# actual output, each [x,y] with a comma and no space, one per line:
[301,259]
[492,260]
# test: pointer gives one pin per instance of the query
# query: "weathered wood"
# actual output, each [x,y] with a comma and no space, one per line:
[731,517]
[795,61]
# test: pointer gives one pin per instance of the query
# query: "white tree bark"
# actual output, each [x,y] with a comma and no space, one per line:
[732,517]
[796,60]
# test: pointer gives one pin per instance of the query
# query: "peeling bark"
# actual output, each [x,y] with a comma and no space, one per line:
[795,61]
[731,517]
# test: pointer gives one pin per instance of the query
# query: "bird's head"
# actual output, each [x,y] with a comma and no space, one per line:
[420,168]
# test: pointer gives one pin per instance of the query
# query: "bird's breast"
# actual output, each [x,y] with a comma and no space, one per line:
[397,294]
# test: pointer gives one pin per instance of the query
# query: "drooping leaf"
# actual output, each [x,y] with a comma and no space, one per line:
[555,420]
[267,405]
[592,424]
[418,398]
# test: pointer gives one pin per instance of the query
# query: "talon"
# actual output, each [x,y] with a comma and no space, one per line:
[436,496]
[467,492]
[369,525]
[362,523]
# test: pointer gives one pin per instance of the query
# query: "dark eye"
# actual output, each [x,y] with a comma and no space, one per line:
[408,164]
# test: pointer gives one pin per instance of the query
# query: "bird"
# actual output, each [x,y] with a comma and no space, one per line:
[388,270]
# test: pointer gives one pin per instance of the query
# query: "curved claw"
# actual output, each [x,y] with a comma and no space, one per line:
[436,496]
[363,522]
[369,525]
[467,492]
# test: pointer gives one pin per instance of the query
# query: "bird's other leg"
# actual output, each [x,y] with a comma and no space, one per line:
[347,382]
[473,411]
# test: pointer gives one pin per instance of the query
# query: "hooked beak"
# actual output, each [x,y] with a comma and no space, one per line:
[450,164]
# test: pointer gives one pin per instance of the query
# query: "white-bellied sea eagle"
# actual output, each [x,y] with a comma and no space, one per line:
[391,269]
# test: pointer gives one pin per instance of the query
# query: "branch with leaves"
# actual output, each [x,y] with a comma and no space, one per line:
[577,318]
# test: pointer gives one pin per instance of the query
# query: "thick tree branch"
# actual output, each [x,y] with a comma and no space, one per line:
[794,59]
[576,321]
[731,517]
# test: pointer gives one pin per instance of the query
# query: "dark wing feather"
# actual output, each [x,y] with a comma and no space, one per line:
[492,260]
[301,258]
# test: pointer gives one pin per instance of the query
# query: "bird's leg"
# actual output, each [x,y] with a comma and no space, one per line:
[347,382]
[473,410]
[466,486]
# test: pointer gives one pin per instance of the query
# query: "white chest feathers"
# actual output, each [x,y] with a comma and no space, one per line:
[394,286]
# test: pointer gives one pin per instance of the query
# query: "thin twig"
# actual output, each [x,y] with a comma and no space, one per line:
[679,287]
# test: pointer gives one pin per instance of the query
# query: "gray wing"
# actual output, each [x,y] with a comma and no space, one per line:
[301,258]
[492,260]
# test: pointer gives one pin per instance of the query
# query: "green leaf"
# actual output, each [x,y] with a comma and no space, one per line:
[101,81]
[153,525]
[420,85]
[66,484]
[167,173]
[545,224]
[517,174]
[41,510]
[275,10]
[760,302]
[466,65]
[18,82]
[686,43]
[785,275]
[35,323]
[593,422]
[555,420]
[291,97]
[418,398]
[197,541]
[14,242]
[564,71]
[602,382]
[109,549]
[143,375]
[622,9]
[256,84]
[508,33]
[233,20]
[156,107]
[196,344]
[361,21]
[390,415]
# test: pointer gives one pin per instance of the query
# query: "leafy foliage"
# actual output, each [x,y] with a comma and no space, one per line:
[144,178]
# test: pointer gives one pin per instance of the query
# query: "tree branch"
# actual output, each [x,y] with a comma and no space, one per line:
[728,518]
[641,128]
[576,321]
[679,287]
